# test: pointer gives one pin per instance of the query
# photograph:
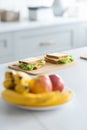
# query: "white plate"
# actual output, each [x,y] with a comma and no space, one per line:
[38,108]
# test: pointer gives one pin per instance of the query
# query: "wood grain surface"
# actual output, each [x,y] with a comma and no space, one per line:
[47,68]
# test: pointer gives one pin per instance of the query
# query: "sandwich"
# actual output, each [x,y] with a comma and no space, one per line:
[56,58]
[32,64]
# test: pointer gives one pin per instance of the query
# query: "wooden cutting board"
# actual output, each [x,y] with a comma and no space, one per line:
[47,68]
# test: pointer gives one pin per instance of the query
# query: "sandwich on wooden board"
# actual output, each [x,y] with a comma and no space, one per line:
[56,58]
[34,63]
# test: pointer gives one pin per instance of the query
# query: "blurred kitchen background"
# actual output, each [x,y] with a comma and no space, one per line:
[31,28]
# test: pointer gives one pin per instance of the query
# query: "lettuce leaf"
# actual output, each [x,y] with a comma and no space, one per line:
[66,60]
[30,66]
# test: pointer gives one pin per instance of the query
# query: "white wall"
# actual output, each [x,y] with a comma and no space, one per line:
[12,4]
[22,5]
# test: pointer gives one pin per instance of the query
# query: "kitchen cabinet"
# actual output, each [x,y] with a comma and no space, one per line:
[6,47]
[82,40]
[44,40]
[80,36]
[26,39]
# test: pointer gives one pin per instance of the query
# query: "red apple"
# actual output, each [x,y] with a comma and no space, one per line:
[40,84]
[57,82]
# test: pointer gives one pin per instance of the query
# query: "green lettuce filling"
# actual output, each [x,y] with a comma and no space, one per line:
[66,60]
[31,66]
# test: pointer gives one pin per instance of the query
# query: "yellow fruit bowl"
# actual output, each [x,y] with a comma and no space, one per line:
[48,99]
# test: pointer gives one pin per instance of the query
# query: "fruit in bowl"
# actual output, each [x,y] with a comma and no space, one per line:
[40,84]
[39,91]
[57,82]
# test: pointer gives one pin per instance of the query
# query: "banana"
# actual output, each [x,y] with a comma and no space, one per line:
[19,81]
[23,89]
[37,100]
[21,78]
[9,74]
[9,80]
[8,84]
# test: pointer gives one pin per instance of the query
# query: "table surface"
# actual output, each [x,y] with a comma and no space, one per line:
[72,116]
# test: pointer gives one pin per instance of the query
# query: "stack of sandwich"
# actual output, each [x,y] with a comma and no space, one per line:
[56,58]
[34,63]
[37,63]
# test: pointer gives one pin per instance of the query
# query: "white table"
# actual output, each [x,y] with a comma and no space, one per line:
[72,116]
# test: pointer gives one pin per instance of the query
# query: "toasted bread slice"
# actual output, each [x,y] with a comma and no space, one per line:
[51,60]
[32,61]
[39,66]
[57,55]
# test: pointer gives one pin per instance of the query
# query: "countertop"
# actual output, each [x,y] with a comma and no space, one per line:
[26,24]
[72,116]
